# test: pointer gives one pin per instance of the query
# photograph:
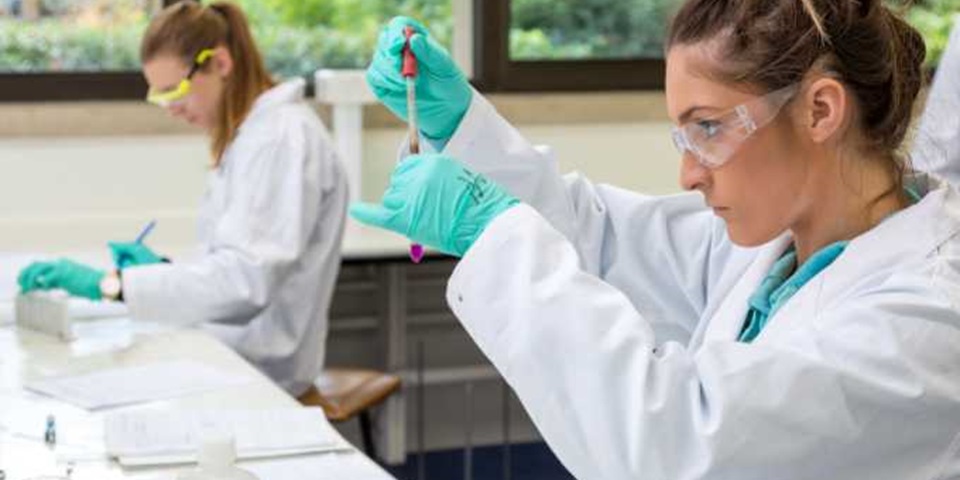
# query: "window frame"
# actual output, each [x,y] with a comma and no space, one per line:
[493,71]
[69,87]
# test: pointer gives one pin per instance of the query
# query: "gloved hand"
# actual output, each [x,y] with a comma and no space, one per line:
[435,201]
[77,279]
[130,254]
[443,93]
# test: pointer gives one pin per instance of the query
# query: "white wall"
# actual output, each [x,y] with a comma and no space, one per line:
[75,193]
[637,156]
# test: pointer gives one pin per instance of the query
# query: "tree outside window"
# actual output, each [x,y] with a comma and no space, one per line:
[588,29]
[632,29]
[934,19]
[300,36]
[296,36]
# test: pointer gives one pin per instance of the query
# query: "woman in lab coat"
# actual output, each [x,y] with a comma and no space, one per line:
[271,220]
[794,317]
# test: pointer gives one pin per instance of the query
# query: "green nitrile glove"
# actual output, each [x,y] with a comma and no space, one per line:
[443,92]
[130,254]
[435,201]
[77,279]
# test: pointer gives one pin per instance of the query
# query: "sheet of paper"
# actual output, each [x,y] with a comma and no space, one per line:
[23,417]
[155,438]
[130,385]
[326,466]
[331,466]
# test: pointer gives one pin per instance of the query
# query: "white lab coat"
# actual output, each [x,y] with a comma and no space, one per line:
[615,318]
[270,228]
[937,143]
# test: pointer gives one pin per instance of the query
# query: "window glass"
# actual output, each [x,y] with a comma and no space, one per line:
[296,36]
[588,29]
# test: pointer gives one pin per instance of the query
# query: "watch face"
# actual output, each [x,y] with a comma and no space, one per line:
[110,286]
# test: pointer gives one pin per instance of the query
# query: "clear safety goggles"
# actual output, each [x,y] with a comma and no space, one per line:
[173,96]
[715,139]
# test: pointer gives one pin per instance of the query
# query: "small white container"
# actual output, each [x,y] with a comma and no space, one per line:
[45,312]
[215,461]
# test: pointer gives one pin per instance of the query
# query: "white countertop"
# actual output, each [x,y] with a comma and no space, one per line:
[360,241]
[119,342]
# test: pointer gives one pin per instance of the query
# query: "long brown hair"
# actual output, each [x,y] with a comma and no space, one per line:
[184,29]
[772,44]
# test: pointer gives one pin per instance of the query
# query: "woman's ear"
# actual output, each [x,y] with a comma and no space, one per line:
[222,62]
[826,109]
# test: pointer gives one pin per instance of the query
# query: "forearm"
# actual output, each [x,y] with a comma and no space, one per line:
[487,144]
[218,287]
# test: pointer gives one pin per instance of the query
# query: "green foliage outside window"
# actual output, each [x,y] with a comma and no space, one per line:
[299,36]
[588,29]
[934,19]
[296,36]
[618,29]
[100,36]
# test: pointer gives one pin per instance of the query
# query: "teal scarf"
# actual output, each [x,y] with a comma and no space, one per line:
[783,281]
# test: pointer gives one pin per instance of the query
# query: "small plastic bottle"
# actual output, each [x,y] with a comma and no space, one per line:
[215,461]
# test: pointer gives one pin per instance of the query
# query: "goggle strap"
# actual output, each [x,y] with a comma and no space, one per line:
[745,119]
[203,56]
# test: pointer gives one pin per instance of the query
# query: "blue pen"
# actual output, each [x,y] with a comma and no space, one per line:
[50,432]
[146,231]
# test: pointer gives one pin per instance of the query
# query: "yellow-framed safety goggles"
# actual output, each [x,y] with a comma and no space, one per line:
[177,94]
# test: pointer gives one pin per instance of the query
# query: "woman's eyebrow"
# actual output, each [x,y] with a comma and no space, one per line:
[685,116]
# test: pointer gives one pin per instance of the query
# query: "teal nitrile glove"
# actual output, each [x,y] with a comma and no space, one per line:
[77,279]
[130,254]
[435,201]
[443,92]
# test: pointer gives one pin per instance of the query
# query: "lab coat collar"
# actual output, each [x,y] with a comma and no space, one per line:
[291,91]
[904,238]
[910,233]
[727,321]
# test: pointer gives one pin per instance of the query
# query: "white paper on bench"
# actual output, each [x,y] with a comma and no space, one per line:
[130,385]
[157,438]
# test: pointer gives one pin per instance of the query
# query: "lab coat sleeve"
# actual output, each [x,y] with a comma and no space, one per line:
[936,147]
[613,230]
[488,144]
[831,402]
[273,199]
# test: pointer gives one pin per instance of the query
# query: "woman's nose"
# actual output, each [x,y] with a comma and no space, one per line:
[176,110]
[693,175]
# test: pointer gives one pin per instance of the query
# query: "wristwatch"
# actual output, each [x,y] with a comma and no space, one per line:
[111,288]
